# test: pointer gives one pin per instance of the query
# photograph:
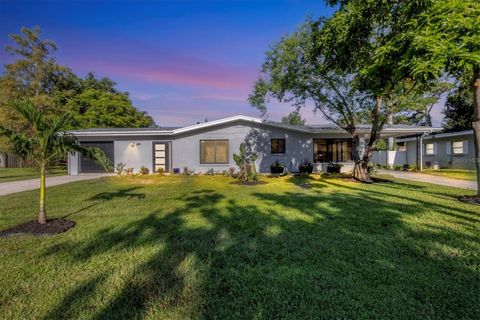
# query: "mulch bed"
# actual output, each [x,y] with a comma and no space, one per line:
[470,199]
[53,226]
[249,183]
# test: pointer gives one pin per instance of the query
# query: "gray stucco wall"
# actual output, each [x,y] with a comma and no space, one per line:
[185,149]
[458,161]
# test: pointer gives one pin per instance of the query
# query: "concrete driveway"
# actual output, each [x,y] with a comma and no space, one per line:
[421,177]
[32,184]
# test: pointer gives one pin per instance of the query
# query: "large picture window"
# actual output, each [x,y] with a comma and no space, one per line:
[278,146]
[335,150]
[214,151]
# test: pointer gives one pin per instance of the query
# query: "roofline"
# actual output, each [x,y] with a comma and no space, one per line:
[440,135]
[303,129]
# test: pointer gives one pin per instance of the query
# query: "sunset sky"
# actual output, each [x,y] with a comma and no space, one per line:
[181,61]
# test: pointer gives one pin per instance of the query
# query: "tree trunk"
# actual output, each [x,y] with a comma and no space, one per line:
[42,215]
[476,123]
[360,170]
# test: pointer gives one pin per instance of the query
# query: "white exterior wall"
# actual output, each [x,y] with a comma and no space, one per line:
[136,156]
[390,157]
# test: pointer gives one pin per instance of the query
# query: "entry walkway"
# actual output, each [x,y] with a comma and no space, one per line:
[32,184]
[421,177]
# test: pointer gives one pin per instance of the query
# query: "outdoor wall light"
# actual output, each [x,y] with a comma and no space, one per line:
[133,144]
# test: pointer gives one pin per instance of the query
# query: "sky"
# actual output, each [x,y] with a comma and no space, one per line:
[181,61]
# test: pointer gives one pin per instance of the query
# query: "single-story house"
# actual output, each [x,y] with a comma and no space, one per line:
[211,145]
[445,150]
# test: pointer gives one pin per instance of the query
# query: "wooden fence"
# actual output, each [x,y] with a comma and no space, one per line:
[13,161]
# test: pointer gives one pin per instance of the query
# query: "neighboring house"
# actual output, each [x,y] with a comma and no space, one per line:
[211,144]
[446,150]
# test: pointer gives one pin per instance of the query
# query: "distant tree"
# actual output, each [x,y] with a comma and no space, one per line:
[55,89]
[100,104]
[458,110]
[294,118]
[44,141]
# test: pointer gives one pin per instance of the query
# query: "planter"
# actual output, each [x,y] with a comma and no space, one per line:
[333,169]
[305,169]
[276,170]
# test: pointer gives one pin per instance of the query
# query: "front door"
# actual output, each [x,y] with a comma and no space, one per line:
[161,156]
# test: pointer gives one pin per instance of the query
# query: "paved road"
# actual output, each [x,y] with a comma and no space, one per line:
[421,177]
[32,184]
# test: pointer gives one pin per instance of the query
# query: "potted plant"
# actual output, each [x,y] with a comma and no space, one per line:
[305,167]
[276,168]
[334,167]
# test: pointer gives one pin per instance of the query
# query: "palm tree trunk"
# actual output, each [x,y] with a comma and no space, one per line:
[42,215]
[476,123]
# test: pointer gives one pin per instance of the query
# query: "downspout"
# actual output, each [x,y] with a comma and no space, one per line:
[421,148]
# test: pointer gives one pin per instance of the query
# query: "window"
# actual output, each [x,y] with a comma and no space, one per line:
[278,146]
[214,151]
[326,150]
[429,148]
[457,147]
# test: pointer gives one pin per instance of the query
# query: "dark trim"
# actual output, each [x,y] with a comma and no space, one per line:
[200,151]
[284,146]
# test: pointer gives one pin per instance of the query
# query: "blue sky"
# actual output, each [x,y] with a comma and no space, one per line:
[181,61]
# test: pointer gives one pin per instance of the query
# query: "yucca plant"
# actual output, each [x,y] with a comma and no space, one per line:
[44,141]
[246,164]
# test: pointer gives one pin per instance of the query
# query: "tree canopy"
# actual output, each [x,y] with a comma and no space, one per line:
[55,89]
[294,118]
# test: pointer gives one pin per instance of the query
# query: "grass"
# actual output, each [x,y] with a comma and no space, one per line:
[201,247]
[14,174]
[470,175]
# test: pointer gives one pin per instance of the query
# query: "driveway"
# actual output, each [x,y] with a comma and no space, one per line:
[32,184]
[421,177]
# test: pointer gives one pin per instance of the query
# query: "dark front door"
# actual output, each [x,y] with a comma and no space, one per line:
[161,156]
[87,165]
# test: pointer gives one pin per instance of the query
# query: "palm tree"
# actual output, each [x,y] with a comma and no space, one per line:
[44,141]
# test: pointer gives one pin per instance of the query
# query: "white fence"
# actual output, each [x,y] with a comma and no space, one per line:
[389,157]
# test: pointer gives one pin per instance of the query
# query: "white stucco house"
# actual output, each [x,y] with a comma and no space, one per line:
[211,145]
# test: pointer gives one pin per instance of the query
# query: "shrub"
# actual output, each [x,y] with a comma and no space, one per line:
[306,167]
[161,171]
[129,171]
[187,171]
[210,172]
[246,164]
[334,167]
[276,167]
[120,167]
[397,167]
[144,170]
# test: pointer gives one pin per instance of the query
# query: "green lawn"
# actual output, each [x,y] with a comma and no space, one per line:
[470,175]
[13,174]
[201,247]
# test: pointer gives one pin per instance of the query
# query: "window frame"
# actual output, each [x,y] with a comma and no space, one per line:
[284,146]
[214,151]
[453,148]
[426,149]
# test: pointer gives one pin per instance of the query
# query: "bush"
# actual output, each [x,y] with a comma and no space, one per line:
[397,167]
[276,168]
[120,167]
[246,163]
[144,170]
[129,171]
[334,167]
[210,172]
[305,167]
[187,171]
[161,171]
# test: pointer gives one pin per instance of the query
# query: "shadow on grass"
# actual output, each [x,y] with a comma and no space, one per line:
[346,254]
